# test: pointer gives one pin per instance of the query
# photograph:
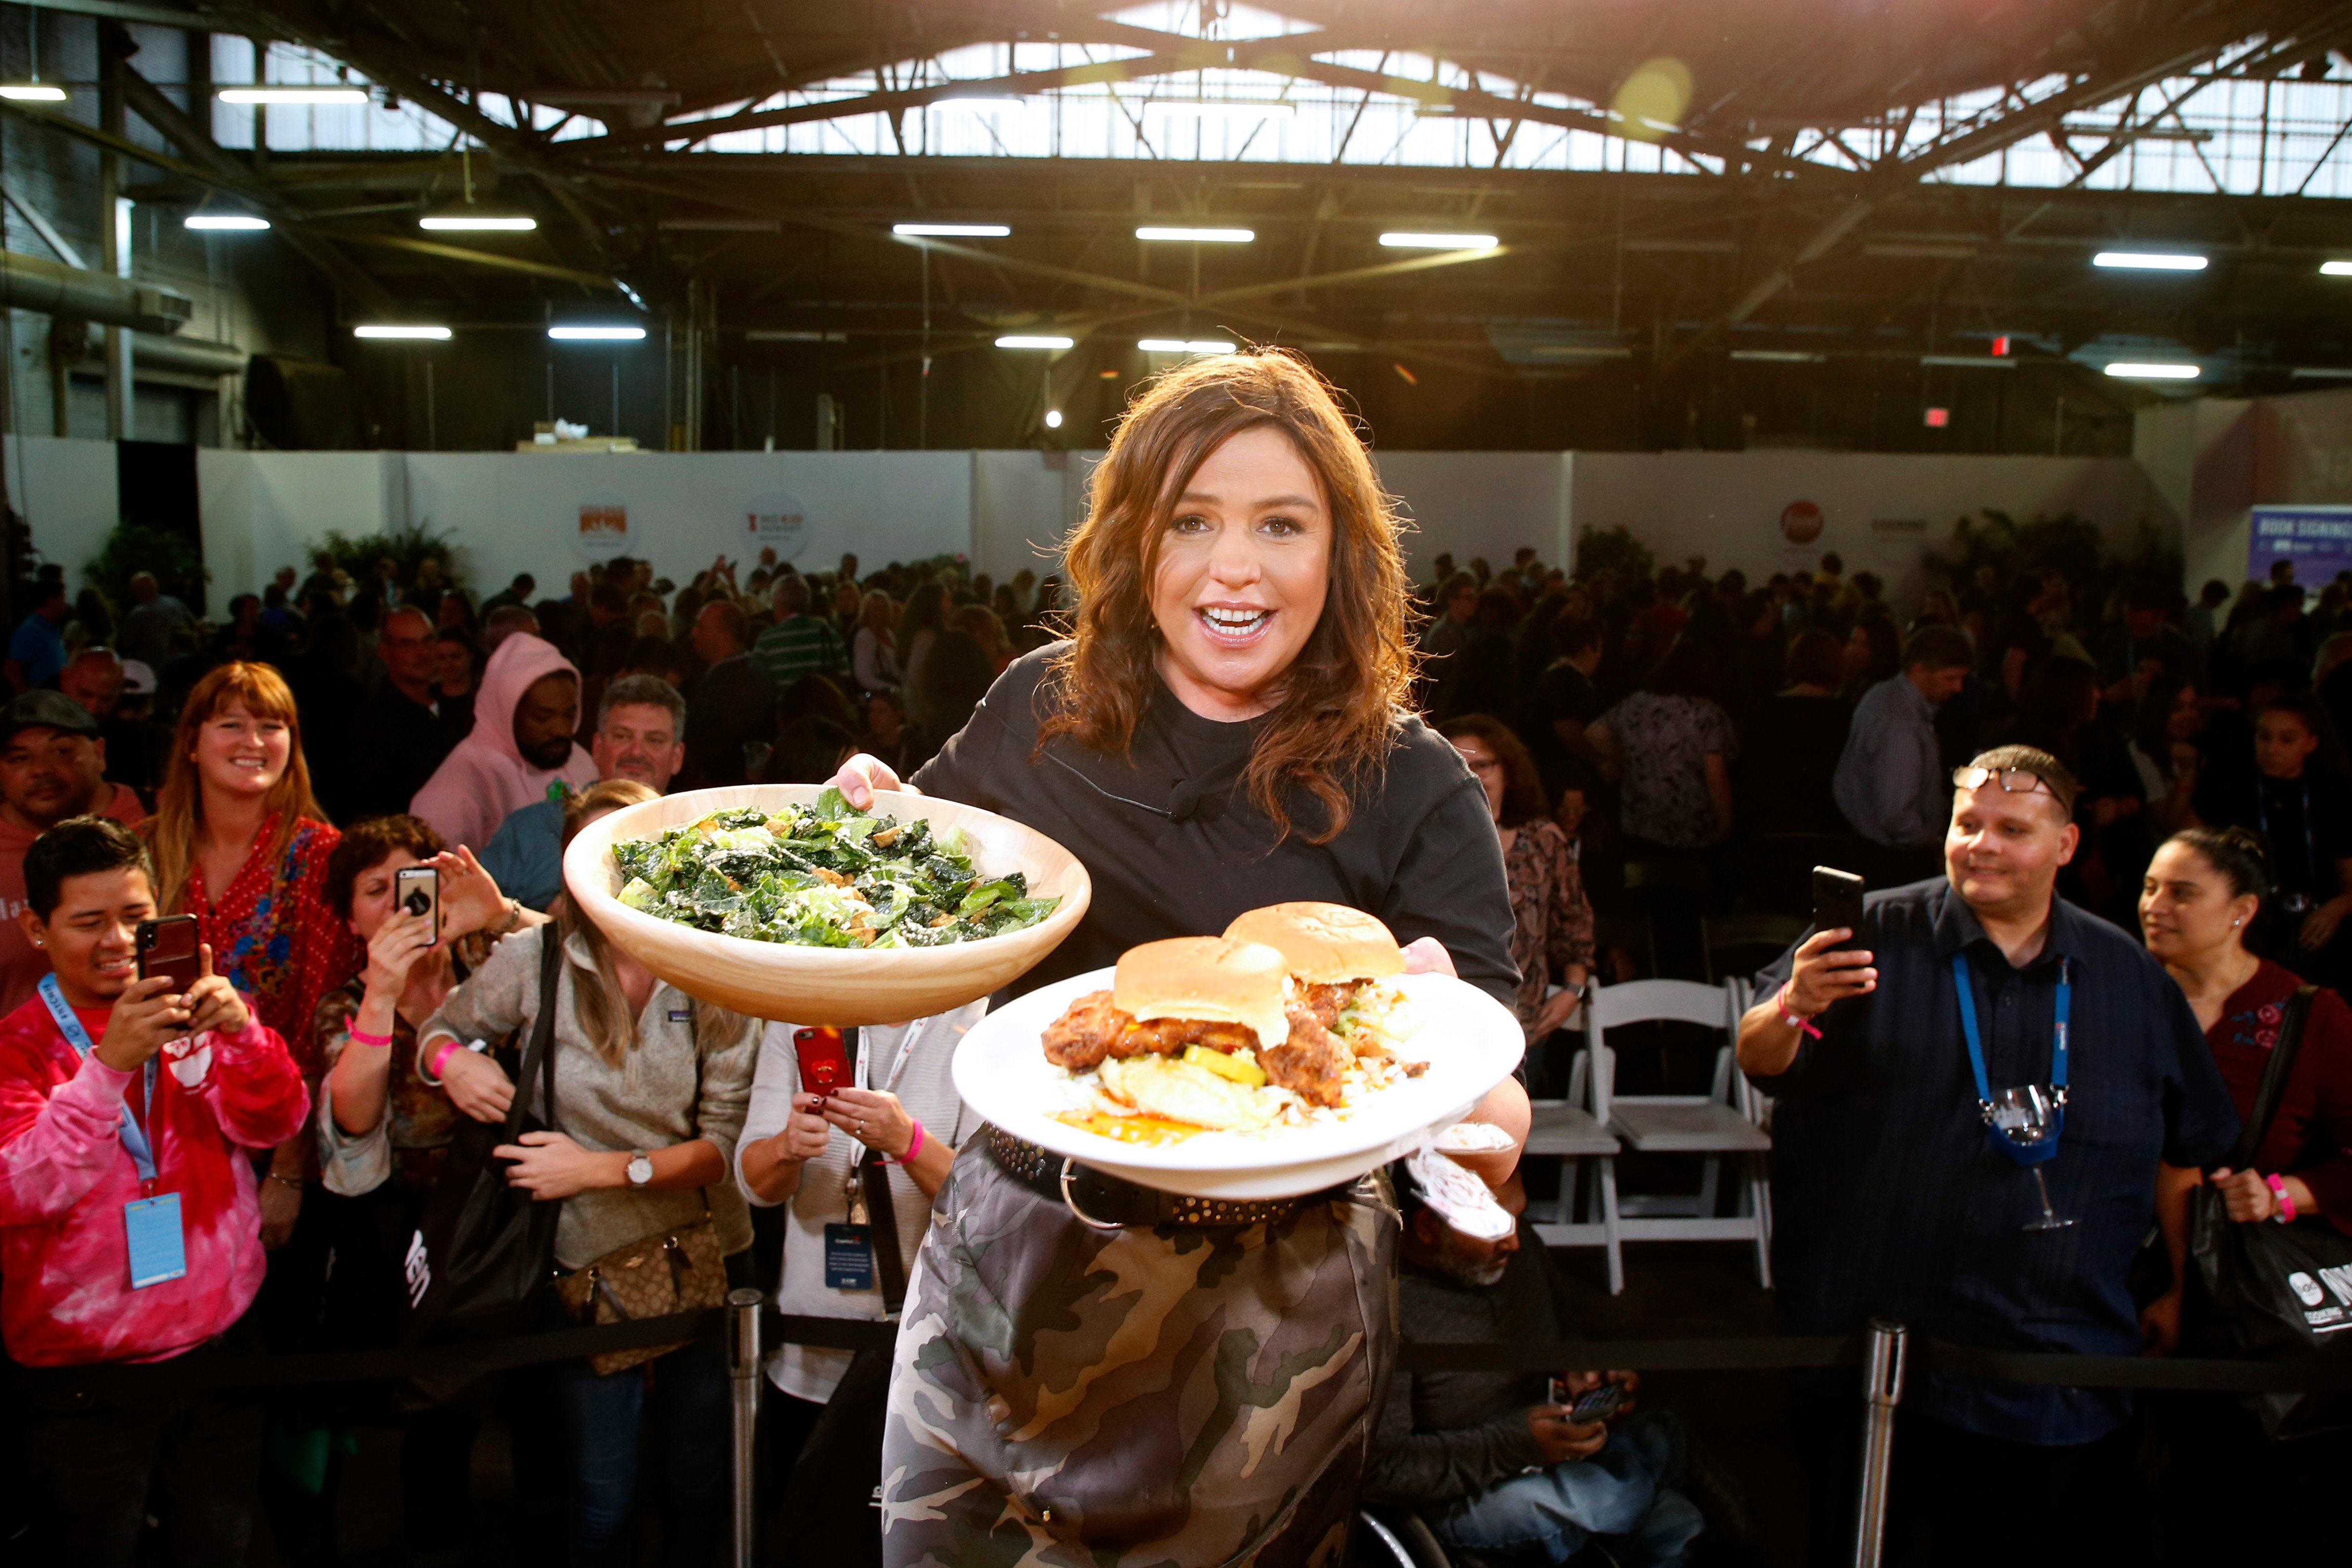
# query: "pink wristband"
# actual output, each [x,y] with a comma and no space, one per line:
[914,1145]
[1780,1000]
[362,1038]
[440,1058]
[2285,1204]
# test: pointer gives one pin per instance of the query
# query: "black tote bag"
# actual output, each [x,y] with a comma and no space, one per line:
[485,1249]
[2270,1291]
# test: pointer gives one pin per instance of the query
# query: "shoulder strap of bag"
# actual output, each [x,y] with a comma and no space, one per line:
[538,1055]
[882,1218]
[2273,1089]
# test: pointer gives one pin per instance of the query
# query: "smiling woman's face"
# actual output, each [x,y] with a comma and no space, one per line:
[1245,565]
[241,752]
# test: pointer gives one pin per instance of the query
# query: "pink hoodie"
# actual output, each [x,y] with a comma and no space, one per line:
[482,781]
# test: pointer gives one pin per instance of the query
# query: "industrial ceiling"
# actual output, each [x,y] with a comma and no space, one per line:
[1680,197]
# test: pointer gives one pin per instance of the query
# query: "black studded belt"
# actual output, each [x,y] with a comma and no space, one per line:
[1112,1203]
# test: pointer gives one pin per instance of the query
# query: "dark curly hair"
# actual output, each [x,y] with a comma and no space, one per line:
[1524,800]
[371,843]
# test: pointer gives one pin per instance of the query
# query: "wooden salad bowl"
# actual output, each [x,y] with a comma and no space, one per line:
[828,984]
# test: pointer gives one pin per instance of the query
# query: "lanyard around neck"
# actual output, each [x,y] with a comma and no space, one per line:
[134,1137]
[1965,987]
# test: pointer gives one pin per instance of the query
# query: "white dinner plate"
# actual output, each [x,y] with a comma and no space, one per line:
[1471,1041]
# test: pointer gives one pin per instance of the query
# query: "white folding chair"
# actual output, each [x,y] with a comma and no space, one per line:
[1713,1126]
[1565,1131]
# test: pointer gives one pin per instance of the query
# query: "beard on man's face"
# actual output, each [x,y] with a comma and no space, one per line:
[549,752]
[1469,1262]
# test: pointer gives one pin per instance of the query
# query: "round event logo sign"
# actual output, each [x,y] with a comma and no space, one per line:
[601,526]
[776,519]
[1801,522]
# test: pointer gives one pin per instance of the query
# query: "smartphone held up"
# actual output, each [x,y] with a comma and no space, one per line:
[170,947]
[417,891]
[1837,902]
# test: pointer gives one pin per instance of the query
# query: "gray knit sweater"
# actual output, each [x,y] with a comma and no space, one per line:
[669,1090]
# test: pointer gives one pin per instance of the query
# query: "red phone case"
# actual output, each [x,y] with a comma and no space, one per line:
[825,1062]
[184,968]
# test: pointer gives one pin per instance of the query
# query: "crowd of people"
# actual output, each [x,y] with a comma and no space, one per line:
[2135,797]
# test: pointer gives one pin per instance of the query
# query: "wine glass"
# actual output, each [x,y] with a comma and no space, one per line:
[2028,1118]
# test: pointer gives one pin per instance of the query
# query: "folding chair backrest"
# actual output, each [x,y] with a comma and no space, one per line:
[1655,1001]
[1650,1002]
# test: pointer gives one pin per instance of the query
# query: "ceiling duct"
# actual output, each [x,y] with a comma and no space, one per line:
[29,283]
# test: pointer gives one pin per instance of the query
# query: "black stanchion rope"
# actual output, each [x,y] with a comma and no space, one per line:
[1750,1354]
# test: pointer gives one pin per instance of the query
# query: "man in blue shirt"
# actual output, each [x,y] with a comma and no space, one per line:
[1890,778]
[640,735]
[38,652]
[1893,1196]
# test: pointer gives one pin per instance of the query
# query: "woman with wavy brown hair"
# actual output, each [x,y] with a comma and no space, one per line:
[240,844]
[1226,727]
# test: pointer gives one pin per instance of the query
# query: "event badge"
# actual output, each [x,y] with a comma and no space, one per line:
[159,1248]
[848,1257]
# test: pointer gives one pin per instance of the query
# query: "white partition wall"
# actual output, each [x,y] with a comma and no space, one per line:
[1883,512]
[1487,504]
[551,515]
[262,510]
[66,493]
[1022,503]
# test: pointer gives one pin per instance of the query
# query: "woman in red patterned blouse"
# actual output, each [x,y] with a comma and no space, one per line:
[1552,921]
[240,844]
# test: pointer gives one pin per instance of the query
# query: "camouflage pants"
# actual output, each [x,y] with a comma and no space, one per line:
[1065,1397]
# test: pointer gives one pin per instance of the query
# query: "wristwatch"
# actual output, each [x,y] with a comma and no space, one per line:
[640,1169]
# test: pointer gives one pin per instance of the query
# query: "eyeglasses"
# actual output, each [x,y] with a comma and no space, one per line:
[2015,780]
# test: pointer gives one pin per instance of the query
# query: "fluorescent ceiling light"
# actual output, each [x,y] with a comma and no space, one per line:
[465,220]
[597,334]
[438,334]
[793,335]
[953,230]
[2320,373]
[32,93]
[1777,356]
[1034,341]
[2149,260]
[222,220]
[274,95]
[1407,240]
[1202,235]
[1968,362]
[1185,346]
[2337,268]
[2135,370]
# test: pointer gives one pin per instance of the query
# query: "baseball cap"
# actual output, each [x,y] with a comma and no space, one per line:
[45,710]
[137,677]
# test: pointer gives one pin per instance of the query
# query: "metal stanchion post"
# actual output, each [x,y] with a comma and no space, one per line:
[1881,1391]
[743,1358]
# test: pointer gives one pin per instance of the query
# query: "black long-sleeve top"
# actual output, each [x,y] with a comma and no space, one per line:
[1175,847]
